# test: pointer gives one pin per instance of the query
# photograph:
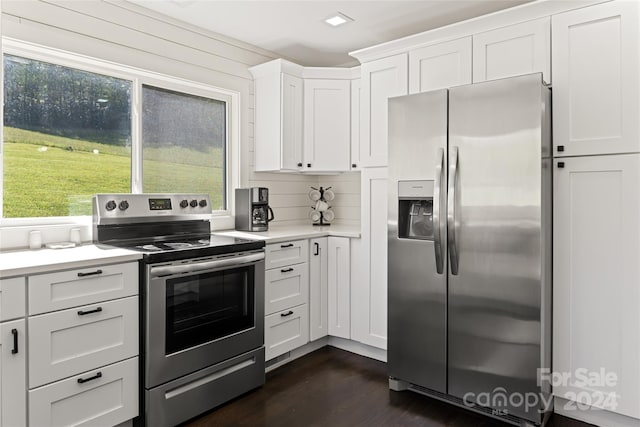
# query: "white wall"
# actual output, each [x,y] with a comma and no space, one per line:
[126,34]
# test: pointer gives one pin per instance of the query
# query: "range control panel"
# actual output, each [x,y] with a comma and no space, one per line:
[151,205]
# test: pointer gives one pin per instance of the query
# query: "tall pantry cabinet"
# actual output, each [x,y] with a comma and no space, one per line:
[596,96]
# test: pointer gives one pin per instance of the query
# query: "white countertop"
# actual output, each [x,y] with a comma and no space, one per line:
[283,233]
[23,262]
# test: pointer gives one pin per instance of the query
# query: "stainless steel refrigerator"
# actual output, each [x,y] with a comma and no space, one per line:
[469,235]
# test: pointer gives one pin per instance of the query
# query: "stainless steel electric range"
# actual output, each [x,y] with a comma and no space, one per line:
[202,305]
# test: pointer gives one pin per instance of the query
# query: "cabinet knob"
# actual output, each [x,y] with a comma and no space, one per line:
[560,165]
[353,165]
[560,147]
[299,165]
[308,165]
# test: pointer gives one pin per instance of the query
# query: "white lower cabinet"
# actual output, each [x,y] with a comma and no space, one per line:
[286,330]
[13,373]
[83,346]
[596,296]
[286,297]
[369,291]
[68,342]
[105,396]
[339,287]
[318,283]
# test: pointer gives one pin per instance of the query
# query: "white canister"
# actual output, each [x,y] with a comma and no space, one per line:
[35,240]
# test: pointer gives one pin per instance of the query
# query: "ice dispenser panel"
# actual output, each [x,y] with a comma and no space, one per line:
[415,210]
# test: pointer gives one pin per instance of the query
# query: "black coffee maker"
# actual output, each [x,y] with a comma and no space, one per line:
[252,209]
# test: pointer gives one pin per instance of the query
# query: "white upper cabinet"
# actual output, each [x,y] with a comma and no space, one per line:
[381,79]
[596,279]
[327,125]
[596,80]
[278,116]
[514,50]
[440,66]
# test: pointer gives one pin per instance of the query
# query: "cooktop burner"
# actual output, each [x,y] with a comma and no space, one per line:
[181,249]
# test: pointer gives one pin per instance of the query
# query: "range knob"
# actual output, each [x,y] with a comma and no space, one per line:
[124,205]
[203,203]
[111,205]
[193,203]
[184,204]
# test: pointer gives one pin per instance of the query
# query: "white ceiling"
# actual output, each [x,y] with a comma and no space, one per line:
[296,29]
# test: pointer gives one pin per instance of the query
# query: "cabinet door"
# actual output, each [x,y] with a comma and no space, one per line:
[355,124]
[286,331]
[596,295]
[381,79]
[13,374]
[106,396]
[318,326]
[286,287]
[596,80]
[68,342]
[440,66]
[291,122]
[339,289]
[12,298]
[369,293]
[514,50]
[327,125]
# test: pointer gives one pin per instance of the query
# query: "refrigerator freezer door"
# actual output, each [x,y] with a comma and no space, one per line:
[494,299]
[417,291]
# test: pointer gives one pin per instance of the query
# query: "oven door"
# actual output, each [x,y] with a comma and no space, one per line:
[200,312]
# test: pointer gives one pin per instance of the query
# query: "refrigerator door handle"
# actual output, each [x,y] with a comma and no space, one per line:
[451,211]
[437,195]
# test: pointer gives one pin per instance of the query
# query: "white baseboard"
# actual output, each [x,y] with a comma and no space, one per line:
[359,348]
[596,416]
[341,343]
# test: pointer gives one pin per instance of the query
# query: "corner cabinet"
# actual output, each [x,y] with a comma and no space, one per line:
[596,278]
[327,125]
[13,361]
[513,50]
[380,80]
[278,120]
[318,283]
[339,287]
[440,66]
[596,80]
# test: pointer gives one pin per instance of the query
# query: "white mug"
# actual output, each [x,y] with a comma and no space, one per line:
[35,240]
[74,236]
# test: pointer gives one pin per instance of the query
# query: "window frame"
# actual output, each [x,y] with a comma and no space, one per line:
[138,77]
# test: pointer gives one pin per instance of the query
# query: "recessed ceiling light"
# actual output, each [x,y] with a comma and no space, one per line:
[338,19]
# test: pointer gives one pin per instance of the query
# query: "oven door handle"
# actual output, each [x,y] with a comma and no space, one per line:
[238,261]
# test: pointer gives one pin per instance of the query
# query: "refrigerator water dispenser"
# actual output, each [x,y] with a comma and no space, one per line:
[415,210]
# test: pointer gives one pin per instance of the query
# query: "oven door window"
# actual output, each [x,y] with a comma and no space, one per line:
[206,307]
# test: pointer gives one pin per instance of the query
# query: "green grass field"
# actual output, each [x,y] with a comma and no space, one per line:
[60,180]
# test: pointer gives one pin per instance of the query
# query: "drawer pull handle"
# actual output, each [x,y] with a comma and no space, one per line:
[91,273]
[290,245]
[95,310]
[85,380]
[14,350]
[288,313]
[286,270]
[317,245]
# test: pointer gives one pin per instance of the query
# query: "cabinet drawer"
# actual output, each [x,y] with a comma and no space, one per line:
[12,298]
[108,399]
[68,342]
[286,287]
[286,253]
[286,330]
[72,288]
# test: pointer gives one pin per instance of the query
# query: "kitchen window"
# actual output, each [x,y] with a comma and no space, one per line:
[75,126]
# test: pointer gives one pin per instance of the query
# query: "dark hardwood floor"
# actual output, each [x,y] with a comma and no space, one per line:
[332,387]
